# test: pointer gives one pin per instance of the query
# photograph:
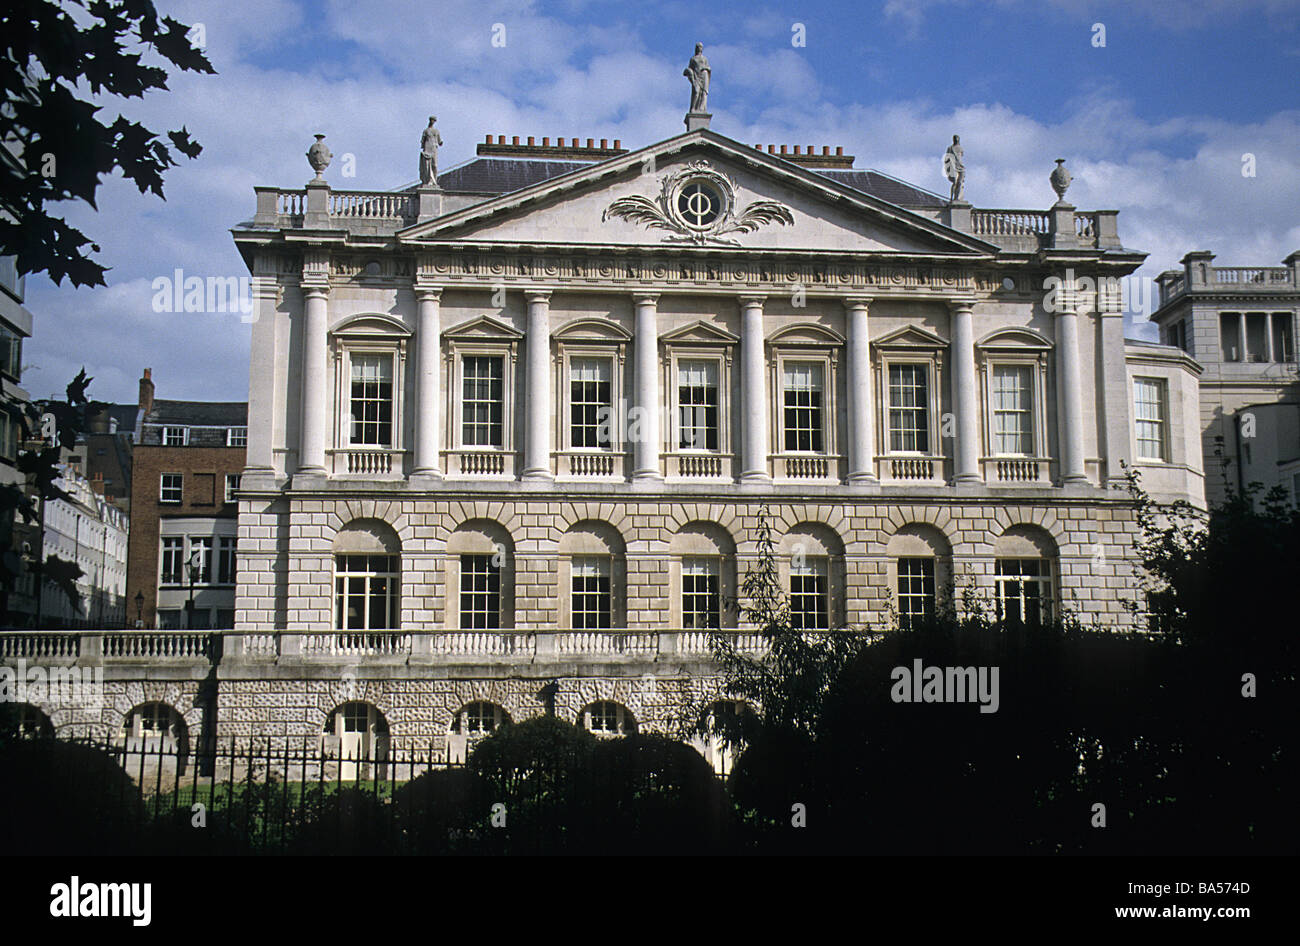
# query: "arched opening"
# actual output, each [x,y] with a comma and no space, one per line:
[154,738]
[1025,581]
[593,571]
[702,575]
[607,718]
[473,722]
[480,565]
[356,734]
[367,577]
[812,565]
[25,721]
[920,573]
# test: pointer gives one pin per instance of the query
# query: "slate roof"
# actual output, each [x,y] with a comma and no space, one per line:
[200,413]
[491,175]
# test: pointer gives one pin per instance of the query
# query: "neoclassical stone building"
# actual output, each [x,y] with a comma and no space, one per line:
[510,434]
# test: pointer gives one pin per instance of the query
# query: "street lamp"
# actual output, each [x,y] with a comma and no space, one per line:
[139,609]
[196,564]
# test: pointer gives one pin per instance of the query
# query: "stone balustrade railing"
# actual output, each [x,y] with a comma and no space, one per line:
[1235,278]
[181,647]
[1010,222]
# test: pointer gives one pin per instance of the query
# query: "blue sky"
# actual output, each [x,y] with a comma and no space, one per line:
[1155,124]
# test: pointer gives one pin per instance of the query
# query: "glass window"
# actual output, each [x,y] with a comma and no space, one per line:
[232,486]
[1256,337]
[593,600]
[200,559]
[237,437]
[1023,589]
[482,401]
[909,428]
[803,407]
[365,592]
[1283,340]
[1013,422]
[226,569]
[372,400]
[697,405]
[810,595]
[1150,411]
[11,353]
[590,404]
[479,717]
[480,593]
[169,488]
[176,436]
[609,718]
[915,591]
[701,593]
[173,560]
[1230,335]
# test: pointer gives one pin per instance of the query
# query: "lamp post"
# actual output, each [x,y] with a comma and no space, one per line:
[139,609]
[195,564]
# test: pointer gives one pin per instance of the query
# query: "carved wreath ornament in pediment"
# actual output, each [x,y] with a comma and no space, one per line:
[697,203]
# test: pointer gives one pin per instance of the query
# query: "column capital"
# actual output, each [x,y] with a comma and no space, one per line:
[852,303]
[646,298]
[961,304]
[538,295]
[751,300]
[314,288]
[427,290]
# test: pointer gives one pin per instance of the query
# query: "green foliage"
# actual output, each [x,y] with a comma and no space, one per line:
[52,55]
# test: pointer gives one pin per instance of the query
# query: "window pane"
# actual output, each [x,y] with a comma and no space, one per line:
[701,593]
[915,591]
[480,593]
[810,595]
[482,402]
[697,404]
[372,400]
[1230,336]
[590,393]
[908,408]
[365,589]
[1012,410]
[1023,590]
[803,407]
[592,601]
[1149,411]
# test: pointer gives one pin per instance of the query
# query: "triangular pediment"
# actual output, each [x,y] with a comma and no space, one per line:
[698,190]
[702,332]
[483,327]
[910,336]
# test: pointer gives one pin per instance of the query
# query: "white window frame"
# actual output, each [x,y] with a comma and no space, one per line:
[166,434]
[234,434]
[346,348]
[1036,363]
[227,548]
[604,567]
[232,486]
[395,586]
[1047,601]
[712,566]
[458,351]
[932,363]
[822,364]
[675,417]
[817,566]
[1161,387]
[162,489]
[617,398]
[621,716]
[178,548]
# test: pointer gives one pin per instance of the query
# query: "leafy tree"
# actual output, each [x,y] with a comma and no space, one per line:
[58,149]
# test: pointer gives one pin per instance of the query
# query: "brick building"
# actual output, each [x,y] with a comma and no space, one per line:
[186,466]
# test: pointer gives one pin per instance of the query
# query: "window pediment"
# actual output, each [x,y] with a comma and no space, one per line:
[911,338]
[1015,339]
[483,328]
[701,332]
[805,333]
[593,330]
[371,325]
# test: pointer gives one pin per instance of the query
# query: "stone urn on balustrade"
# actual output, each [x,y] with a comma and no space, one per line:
[319,156]
[1060,179]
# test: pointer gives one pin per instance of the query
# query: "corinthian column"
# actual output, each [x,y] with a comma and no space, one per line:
[862,436]
[428,350]
[965,395]
[753,391]
[537,377]
[646,371]
[311,447]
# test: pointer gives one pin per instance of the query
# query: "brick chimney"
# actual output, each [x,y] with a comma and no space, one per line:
[146,392]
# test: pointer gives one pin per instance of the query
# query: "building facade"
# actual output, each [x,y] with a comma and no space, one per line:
[91,532]
[1240,324]
[17,586]
[512,435]
[186,466]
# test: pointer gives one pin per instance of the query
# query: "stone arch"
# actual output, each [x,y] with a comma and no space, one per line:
[1009,517]
[1025,541]
[386,511]
[786,518]
[179,698]
[897,518]
[571,514]
[722,514]
[918,538]
[369,536]
[462,513]
[700,536]
[818,537]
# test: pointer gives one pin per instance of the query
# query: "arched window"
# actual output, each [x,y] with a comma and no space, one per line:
[1024,572]
[356,734]
[812,562]
[155,728]
[480,577]
[593,572]
[472,722]
[25,721]
[607,718]
[920,560]
[367,576]
[702,573]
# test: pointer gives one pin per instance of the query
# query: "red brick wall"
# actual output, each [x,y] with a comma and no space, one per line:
[143,549]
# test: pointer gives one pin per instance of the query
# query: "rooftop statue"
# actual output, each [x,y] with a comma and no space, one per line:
[429,143]
[955,170]
[697,70]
